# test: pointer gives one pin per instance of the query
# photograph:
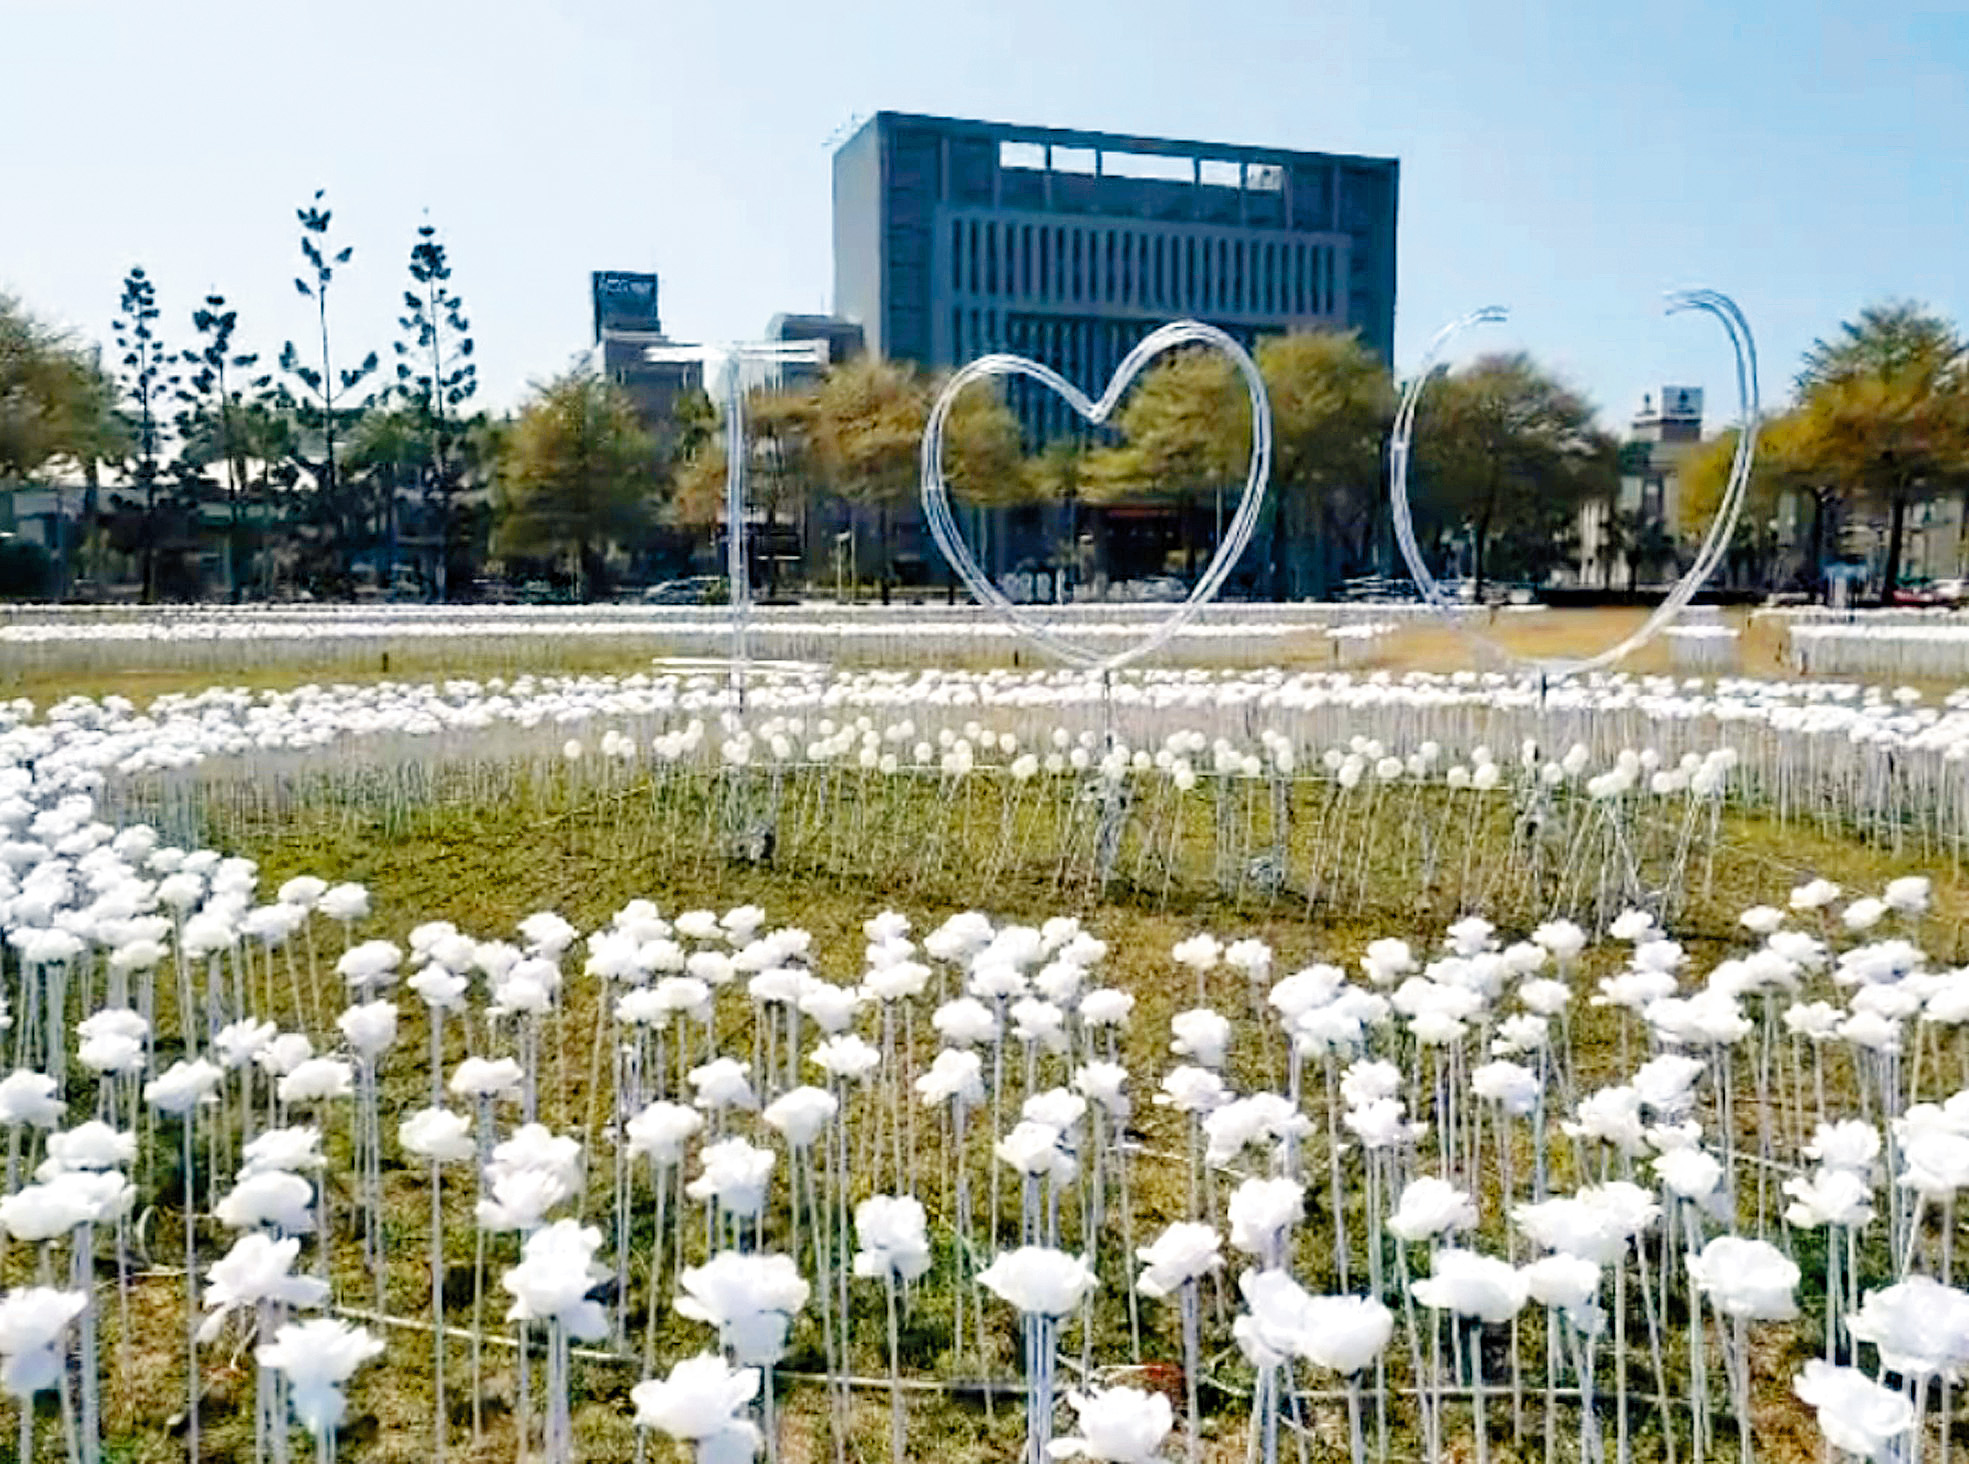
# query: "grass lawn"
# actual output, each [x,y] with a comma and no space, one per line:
[485,867]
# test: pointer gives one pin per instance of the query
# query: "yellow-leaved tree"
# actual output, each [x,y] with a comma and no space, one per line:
[577,475]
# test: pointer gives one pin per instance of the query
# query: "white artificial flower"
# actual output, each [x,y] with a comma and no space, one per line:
[1185,1252]
[1261,1211]
[1857,1415]
[1038,1280]
[316,1358]
[438,1135]
[1117,1426]
[750,1299]
[659,1132]
[1472,1285]
[551,1283]
[1430,1207]
[701,1398]
[892,1233]
[1751,1279]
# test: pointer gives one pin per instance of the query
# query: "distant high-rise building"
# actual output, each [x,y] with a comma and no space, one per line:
[953,239]
[624,300]
[626,326]
[843,338]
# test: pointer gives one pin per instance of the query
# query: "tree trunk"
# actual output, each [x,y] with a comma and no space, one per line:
[1815,547]
[148,473]
[1477,558]
[1896,526]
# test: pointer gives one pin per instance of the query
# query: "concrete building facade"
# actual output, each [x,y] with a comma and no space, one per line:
[627,324]
[955,238]
[1659,438]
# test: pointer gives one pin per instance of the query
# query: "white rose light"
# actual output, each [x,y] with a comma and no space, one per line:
[750,1299]
[1044,1285]
[33,1322]
[1857,1415]
[1747,1281]
[318,1358]
[699,1404]
[894,1246]
[1117,1425]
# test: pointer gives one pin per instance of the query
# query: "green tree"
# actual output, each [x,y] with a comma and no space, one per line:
[387,454]
[868,431]
[57,405]
[212,397]
[1185,432]
[868,427]
[1884,414]
[1332,401]
[1507,454]
[1776,473]
[983,462]
[1638,540]
[147,381]
[782,465]
[437,376]
[577,475]
[323,403]
[264,436]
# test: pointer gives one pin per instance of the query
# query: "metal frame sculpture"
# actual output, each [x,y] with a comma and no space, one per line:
[944,529]
[730,370]
[1721,527]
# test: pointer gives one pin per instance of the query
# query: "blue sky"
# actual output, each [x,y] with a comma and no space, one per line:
[1570,161]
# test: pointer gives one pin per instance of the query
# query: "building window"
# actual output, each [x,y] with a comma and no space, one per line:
[957,254]
[991,257]
[1108,291]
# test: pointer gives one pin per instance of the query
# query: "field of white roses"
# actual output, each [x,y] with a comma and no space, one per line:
[1165,1065]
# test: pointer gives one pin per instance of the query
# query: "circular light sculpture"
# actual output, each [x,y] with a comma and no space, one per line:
[1721,527]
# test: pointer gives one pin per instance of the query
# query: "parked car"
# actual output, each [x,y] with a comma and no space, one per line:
[699,589]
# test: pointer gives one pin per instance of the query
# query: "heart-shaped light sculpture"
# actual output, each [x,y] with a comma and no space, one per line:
[943,527]
[1721,527]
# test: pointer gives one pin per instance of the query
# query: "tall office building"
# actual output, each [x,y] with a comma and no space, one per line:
[626,326]
[955,238]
